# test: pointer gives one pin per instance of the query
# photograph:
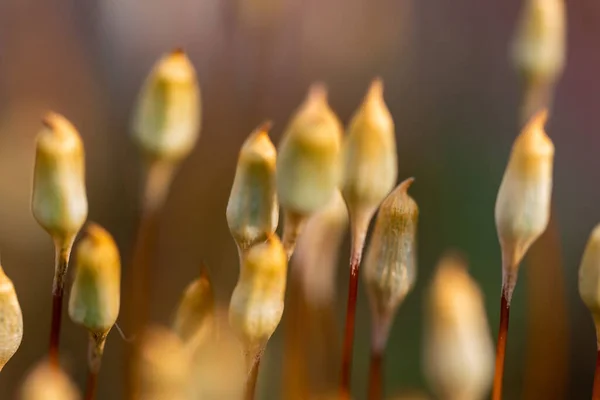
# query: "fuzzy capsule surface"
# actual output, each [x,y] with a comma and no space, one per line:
[195,312]
[256,305]
[253,210]
[46,382]
[523,203]
[59,200]
[96,292]
[166,122]
[390,267]
[309,162]
[589,276]
[369,152]
[459,352]
[164,366]
[539,46]
[11,321]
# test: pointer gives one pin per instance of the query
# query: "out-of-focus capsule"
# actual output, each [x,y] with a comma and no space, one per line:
[48,382]
[11,323]
[194,317]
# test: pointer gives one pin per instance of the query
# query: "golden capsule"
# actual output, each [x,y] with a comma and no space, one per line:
[308,164]
[59,200]
[48,382]
[11,323]
[589,278]
[370,161]
[253,210]
[390,266]
[256,305]
[523,202]
[96,291]
[459,352]
[166,122]
[194,317]
[540,43]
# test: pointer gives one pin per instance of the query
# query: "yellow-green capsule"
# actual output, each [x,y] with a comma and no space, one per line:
[166,122]
[253,210]
[308,163]
[589,278]
[256,305]
[195,313]
[390,267]
[96,291]
[48,382]
[459,352]
[59,200]
[523,203]
[164,366]
[539,46]
[370,161]
[11,321]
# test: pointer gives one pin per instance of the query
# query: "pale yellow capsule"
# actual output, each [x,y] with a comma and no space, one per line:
[370,161]
[164,366]
[166,122]
[459,352]
[390,267]
[11,321]
[256,305]
[194,317]
[589,278]
[48,382]
[96,292]
[308,164]
[253,210]
[523,203]
[539,46]
[59,200]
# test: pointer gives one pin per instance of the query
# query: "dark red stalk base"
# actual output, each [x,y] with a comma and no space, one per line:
[349,330]
[252,379]
[57,300]
[375,375]
[596,392]
[91,385]
[501,347]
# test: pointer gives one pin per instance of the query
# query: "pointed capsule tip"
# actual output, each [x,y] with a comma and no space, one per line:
[405,184]
[265,127]
[317,92]
[178,51]
[49,119]
[538,120]
[376,88]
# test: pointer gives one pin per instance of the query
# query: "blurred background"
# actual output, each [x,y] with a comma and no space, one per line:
[455,100]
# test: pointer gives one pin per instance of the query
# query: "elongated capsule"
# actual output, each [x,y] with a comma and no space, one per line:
[589,278]
[48,382]
[523,202]
[96,291]
[253,210]
[370,161]
[166,122]
[11,321]
[256,305]
[390,267]
[318,250]
[539,46]
[59,200]
[164,366]
[459,352]
[195,313]
[308,164]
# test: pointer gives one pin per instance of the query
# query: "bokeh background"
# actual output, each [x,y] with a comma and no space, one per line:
[455,100]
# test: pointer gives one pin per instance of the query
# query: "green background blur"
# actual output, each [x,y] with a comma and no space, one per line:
[454,98]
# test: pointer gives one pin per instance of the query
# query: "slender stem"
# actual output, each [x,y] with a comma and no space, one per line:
[379,335]
[250,390]
[61,262]
[375,375]
[95,352]
[596,392]
[355,257]
[501,346]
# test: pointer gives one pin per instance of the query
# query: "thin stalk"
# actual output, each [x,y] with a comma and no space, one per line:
[61,262]
[379,336]
[95,352]
[254,365]
[596,392]
[501,346]
[375,375]
[358,239]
